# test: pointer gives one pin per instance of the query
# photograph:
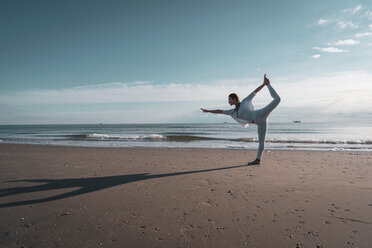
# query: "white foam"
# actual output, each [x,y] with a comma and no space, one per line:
[127,137]
[236,146]
[318,141]
[157,136]
[95,135]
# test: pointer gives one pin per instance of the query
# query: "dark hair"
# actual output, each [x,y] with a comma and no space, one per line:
[235,97]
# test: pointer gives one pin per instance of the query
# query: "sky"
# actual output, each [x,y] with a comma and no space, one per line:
[77,62]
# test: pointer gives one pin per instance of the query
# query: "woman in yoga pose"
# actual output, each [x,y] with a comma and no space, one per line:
[245,114]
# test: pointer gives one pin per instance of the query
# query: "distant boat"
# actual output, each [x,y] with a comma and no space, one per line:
[296,121]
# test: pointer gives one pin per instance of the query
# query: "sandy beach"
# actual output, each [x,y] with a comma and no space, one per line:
[158,197]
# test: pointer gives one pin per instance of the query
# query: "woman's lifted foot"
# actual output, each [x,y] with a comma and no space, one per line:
[257,161]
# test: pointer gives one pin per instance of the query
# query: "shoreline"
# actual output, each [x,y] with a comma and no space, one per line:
[191,148]
[55,196]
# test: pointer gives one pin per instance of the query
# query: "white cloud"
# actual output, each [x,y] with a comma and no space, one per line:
[347,91]
[344,91]
[356,9]
[352,11]
[347,24]
[323,21]
[368,14]
[316,56]
[363,34]
[357,81]
[330,49]
[344,42]
[370,26]
[128,92]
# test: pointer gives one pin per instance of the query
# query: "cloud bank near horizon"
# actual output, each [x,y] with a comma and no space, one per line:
[343,92]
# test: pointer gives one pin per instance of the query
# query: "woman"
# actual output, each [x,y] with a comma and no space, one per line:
[245,114]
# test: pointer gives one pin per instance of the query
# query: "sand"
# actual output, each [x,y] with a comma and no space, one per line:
[158,197]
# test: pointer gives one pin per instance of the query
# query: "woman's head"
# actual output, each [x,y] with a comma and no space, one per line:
[233,99]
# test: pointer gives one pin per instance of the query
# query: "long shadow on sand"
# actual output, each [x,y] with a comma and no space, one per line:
[85,185]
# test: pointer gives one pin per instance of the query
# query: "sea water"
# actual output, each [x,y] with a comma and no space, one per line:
[287,136]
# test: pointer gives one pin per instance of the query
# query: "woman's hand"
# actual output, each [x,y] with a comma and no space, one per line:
[266,80]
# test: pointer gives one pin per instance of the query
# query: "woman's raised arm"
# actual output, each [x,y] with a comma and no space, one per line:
[266,82]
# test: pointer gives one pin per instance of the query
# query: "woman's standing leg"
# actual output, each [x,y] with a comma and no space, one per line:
[261,130]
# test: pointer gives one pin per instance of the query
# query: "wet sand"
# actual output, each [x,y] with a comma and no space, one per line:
[158,197]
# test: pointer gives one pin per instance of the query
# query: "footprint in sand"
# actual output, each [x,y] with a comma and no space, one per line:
[186,232]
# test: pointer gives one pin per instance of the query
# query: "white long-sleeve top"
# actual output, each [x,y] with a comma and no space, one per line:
[245,115]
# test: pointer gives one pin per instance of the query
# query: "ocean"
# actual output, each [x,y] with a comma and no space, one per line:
[284,136]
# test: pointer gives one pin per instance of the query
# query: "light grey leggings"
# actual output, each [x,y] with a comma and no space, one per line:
[261,119]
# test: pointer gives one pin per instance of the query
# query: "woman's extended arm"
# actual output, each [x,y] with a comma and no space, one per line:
[217,111]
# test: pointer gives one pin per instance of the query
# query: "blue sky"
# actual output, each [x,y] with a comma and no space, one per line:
[160,61]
